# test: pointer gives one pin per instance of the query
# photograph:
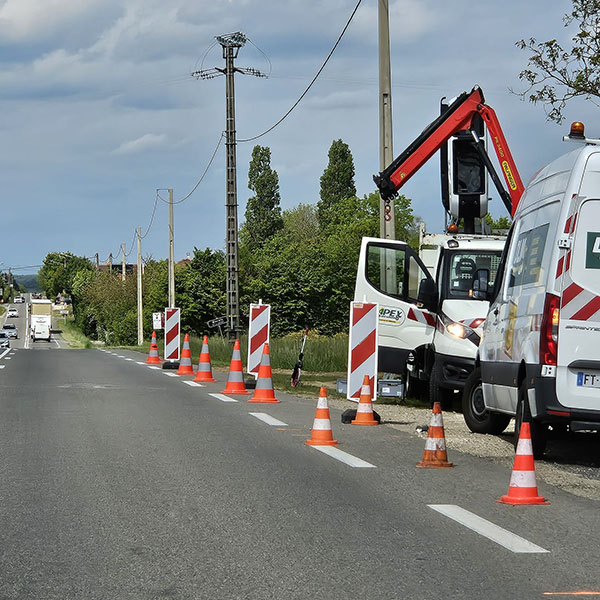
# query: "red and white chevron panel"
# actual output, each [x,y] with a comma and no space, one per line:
[258,335]
[421,316]
[172,333]
[362,348]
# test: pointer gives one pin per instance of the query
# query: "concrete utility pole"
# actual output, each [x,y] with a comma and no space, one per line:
[110,259]
[171,253]
[231,44]
[387,227]
[140,321]
[123,264]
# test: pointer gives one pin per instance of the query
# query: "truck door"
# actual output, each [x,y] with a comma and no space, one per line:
[391,273]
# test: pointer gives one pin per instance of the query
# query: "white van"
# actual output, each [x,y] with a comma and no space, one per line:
[539,356]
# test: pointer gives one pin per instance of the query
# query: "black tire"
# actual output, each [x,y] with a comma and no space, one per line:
[437,393]
[414,387]
[539,431]
[476,415]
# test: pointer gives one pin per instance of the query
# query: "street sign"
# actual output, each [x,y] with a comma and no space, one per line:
[258,335]
[171,333]
[158,320]
[217,322]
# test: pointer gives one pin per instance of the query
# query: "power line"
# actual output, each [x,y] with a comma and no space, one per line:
[311,83]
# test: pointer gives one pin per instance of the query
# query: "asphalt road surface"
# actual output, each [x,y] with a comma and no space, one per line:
[119,481]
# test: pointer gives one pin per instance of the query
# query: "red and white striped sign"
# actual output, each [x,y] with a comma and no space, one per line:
[362,348]
[172,333]
[421,316]
[258,335]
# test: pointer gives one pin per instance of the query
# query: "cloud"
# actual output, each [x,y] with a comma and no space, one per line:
[141,144]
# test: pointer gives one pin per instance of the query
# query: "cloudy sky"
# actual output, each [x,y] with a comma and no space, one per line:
[98,108]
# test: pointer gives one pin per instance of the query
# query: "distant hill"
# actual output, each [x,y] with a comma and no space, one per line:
[29,282]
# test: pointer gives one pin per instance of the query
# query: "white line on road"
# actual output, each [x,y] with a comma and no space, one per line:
[2,366]
[344,457]
[171,375]
[222,398]
[268,419]
[5,353]
[8,358]
[155,368]
[192,384]
[129,359]
[119,356]
[505,538]
[141,363]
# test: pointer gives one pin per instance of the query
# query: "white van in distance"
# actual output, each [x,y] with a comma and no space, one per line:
[539,356]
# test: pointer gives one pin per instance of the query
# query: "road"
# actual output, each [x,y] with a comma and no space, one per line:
[119,481]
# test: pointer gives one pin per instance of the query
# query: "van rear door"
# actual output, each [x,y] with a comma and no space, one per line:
[390,273]
[578,355]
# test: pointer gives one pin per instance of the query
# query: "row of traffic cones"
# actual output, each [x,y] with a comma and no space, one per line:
[522,487]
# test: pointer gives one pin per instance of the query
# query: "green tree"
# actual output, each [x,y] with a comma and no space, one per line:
[337,182]
[499,223]
[58,271]
[556,74]
[263,210]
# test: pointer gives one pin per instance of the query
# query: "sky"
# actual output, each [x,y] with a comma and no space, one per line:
[98,108]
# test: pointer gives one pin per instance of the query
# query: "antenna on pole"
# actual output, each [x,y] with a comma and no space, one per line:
[231,44]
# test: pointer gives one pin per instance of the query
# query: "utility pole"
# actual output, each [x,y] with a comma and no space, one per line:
[110,259]
[123,262]
[387,227]
[231,44]
[140,321]
[171,253]
[97,262]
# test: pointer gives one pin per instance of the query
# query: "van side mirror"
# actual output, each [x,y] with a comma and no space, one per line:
[481,284]
[428,294]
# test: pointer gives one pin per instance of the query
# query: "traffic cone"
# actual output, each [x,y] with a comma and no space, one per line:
[522,488]
[185,364]
[435,447]
[321,430]
[364,410]
[263,392]
[235,380]
[204,373]
[153,358]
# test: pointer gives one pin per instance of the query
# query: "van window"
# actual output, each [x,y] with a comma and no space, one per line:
[529,253]
[394,271]
[461,269]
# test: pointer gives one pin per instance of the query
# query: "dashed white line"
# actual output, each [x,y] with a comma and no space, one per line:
[268,419]
[2,366]
[344,457]
[155,368]
[141,363]
[5,353]
[509,540]
[119,356]
[129,359]
[192,384]
[171,375]
[223,398]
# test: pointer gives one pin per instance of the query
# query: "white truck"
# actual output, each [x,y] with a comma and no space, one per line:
[433,304]
[436,343]
[40,319]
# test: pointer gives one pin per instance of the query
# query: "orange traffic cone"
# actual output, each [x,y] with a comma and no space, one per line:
[235,380]
[185,364]
[522,488]
[364,411]
[204,367]
[263,392]
[321,430]
[153,358]
[435,447]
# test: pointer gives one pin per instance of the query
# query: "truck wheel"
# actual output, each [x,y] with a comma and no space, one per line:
[477,417]
[437,393]
[539,431]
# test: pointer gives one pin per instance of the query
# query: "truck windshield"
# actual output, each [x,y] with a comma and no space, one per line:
[460,272]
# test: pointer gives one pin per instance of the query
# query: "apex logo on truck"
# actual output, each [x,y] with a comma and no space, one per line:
[393,316]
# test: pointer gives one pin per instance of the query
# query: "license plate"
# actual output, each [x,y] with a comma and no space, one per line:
[588,379]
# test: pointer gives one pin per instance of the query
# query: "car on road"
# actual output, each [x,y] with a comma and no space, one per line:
[12,312]
[19,299]
[11,330]
[4,341]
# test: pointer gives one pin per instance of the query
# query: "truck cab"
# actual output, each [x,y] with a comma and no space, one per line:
[430,315]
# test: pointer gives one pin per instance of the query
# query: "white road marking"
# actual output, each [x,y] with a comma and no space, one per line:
[8,358]
[223,398]
[2,366]
[141,363]
[497,534]
[268,419]
[192,384]
[119,356]
[344,457]
[171,375]
[155,368]
[5,353]
[129,359]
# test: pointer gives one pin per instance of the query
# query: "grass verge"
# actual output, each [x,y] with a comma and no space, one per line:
[72,334]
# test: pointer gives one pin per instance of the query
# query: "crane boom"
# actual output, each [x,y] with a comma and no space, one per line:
[458,117]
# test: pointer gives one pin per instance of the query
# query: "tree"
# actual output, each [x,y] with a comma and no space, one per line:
[501,223]
[58,271]
[263,210]
[557,75]
[337,182]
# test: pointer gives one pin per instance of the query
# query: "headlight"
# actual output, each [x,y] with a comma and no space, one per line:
[457,330]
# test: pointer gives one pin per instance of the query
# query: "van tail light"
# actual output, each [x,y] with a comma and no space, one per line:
[549,330]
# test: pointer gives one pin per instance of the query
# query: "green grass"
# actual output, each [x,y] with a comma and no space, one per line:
[72,334]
